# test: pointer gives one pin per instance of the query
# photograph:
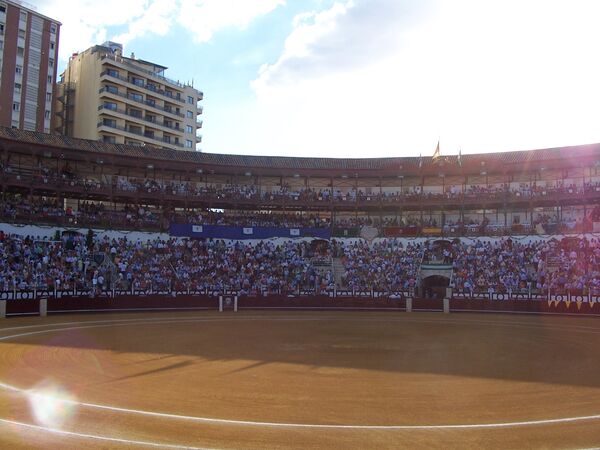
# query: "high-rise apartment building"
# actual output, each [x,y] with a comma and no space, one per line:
[106,96]
[28,64]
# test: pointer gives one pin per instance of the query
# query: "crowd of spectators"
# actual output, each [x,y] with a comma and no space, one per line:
[507,265]
[387,265]
[285,192]
[89,214]
[25,209]
[572,264]
[73,261]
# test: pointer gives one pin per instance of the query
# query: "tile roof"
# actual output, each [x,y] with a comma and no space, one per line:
[291,163]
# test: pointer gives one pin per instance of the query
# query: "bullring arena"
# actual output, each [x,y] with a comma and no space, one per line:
[154,298]
[302,379]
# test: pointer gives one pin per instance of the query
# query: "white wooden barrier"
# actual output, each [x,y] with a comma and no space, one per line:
[43,306]
[446,306]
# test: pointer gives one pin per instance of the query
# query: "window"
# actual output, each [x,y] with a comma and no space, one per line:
[23,15]
[16,106]
[150,118]
[112,89]
[137,81]
[189,129]
[49,79]
[112,123]
[47,114]
[20,51]
[110,105]
[17,86]
[112,73]
[2,8]
[22,34]
[51,45]
[190,100]
[1,28]
[135,129]
[53,29]
[151,102]
[188,143]
[135,96]
[19,69]
[50,62]
[108,139]
[135,113]
[190,114]
[48,96]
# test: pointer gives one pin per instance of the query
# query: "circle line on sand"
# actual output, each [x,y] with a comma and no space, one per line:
[213,420]
[99,437]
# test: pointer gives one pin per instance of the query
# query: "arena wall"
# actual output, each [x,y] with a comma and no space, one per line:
[167,302]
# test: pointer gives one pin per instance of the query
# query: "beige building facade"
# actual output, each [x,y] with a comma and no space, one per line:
[106,96]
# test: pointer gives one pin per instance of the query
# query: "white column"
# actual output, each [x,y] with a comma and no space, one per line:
[220,303]
[409,304]
[43,306]
[446,306]
[2,309]
[235,305]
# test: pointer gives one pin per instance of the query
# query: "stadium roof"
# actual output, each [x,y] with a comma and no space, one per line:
[561,157]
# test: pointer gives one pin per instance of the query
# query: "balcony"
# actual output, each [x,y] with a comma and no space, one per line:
[127,64]
[166,109]
[138,133]
[152,122]
[149,87]
[199,123]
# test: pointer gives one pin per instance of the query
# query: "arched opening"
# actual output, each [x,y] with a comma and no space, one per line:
[435,286]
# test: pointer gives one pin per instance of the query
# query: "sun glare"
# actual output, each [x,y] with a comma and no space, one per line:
[51,405]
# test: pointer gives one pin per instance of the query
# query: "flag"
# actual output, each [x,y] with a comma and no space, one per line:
[459,159]
[436,154]
[420,160]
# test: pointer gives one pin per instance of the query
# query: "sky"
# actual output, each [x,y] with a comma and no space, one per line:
[364,78]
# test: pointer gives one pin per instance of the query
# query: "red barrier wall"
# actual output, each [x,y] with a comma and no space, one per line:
[184,301]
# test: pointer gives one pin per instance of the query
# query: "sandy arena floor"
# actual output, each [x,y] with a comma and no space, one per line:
[283,380]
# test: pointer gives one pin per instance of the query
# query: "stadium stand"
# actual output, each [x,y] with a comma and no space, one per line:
[516,222]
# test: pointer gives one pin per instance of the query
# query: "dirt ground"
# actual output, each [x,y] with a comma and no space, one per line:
[281,380]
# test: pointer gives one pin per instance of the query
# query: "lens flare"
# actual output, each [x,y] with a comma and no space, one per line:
[51,405]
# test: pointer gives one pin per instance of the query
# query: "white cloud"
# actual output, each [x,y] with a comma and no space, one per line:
[348,35]
[87,22]
[372,78]
[203,18]
[157,18]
